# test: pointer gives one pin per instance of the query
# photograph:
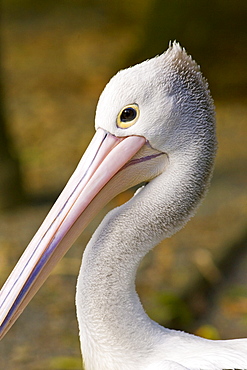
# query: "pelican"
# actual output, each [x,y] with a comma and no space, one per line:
[155,125]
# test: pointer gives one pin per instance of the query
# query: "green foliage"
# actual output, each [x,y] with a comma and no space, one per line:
[168,307]
[65,363]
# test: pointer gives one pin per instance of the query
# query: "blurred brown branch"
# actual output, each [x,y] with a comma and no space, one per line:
[11,192]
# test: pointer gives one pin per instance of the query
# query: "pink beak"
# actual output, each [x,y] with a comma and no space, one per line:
[109,166]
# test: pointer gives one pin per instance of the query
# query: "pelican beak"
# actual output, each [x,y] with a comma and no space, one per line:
[108,167]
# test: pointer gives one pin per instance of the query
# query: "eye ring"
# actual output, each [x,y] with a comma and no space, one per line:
[128,116]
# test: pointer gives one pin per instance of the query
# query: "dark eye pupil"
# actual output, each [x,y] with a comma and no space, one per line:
[128,114]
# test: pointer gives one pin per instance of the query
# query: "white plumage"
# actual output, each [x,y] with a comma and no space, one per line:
[159,118]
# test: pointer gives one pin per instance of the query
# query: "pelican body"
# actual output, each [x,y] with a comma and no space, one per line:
[155,124]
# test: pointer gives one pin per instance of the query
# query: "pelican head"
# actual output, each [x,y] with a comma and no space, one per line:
[172,105]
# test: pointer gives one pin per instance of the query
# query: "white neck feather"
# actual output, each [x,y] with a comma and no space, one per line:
[111,317]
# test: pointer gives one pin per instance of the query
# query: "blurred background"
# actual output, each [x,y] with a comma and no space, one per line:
[55,59]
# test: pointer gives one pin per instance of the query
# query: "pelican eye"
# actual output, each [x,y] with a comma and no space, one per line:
[128,116]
